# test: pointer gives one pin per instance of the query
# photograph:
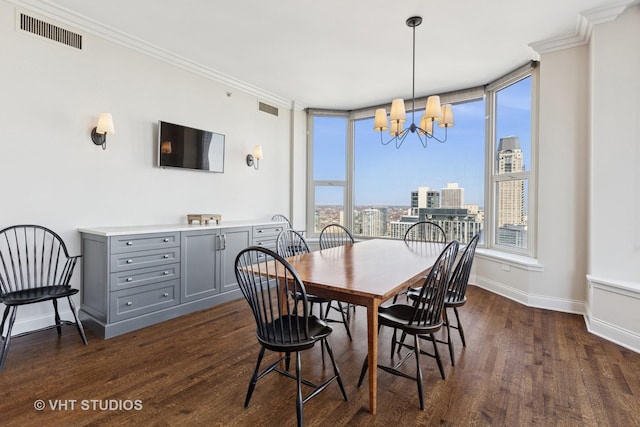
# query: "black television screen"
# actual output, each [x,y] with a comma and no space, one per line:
[185,147]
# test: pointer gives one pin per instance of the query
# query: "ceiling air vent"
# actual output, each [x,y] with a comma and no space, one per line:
[50,31]
[266,108]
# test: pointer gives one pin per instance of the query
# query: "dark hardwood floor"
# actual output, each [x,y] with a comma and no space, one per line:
[522,366]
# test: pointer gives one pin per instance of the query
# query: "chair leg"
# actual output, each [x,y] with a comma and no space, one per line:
[323,316]
[57,316]
[254,378]
[363,372]
[78,322]
[336,371]
[455,310]
[299,402]
[7,337]
[345,319]
[4,319]
[437,355]
[394,340]
[287,361]
[416,349]
[402,338]
[449,340]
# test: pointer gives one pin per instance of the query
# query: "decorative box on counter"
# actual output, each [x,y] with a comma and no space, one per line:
[204,218]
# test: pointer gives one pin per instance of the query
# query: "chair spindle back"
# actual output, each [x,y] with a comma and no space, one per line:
[32,256]
[279,304]
[335,235]
[428,307]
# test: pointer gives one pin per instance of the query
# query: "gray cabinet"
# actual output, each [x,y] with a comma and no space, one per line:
[208,261]
[199,266]
[134,277]
[233,240]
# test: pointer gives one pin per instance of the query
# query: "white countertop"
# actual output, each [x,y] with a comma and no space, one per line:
[163,228]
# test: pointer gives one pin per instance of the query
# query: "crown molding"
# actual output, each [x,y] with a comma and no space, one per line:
[83,23]
[584,28]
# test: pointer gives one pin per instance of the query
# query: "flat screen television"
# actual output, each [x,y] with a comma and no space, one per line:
[189,148]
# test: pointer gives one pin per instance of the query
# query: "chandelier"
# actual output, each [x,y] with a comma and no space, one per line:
[434,112]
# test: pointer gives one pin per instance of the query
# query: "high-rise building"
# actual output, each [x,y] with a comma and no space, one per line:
[512,219]
[424,197]
[452,196]
[510,193]
[458,223]
[374,221]
[399,228]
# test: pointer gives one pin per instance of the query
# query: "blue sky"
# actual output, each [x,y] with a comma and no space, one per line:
[385,175]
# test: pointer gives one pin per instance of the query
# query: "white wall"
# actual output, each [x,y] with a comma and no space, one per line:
[614,225]
[52,174]
[615,198]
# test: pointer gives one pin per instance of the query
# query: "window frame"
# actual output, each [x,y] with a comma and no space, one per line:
[312,183]
[492,178]
[489,92]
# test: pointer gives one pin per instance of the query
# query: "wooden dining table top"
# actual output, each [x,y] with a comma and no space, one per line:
[376,268]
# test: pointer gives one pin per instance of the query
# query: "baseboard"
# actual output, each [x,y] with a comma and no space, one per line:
[613,333]
[532,300]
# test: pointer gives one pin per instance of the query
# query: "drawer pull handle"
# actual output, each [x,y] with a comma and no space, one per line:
[129,279]
[165,240]
[165,294]
[166,273]
[129,243]
[260,231]
[129,303]
[129,261]
[278,229]
[260,243]
[166,256]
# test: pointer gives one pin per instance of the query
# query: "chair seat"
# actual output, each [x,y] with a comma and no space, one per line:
[314,299]
[450,298]
[28,296]
[399,316]
[284,341]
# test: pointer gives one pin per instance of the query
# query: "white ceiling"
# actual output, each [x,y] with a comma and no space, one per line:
[342,54]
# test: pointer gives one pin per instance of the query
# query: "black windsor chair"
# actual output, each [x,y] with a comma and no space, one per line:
[284,324]
[35,266]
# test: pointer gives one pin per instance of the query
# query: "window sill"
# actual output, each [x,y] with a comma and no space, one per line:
[517,261]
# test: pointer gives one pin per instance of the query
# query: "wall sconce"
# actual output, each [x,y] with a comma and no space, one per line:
[254,159]
[104,128]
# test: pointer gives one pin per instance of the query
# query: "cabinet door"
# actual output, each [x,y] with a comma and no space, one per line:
[198,265]
[233,241]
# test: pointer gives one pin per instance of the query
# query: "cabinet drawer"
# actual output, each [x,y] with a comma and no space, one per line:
[140,242]
[143,299]
[265,242]
[155,258]
[267,231]
[144,276]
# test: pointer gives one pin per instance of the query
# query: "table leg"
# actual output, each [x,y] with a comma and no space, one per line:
[372,339]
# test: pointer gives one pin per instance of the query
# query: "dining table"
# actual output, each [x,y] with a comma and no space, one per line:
[366,273]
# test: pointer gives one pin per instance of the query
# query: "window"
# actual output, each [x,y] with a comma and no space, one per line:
[443,183]
[328,169]
[478,181]
[511,113]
